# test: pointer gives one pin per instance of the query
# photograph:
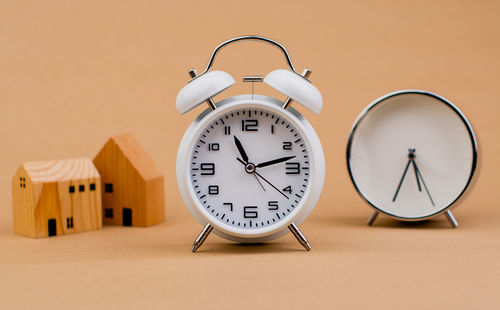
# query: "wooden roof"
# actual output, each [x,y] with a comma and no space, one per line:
[60,170]
[136,154]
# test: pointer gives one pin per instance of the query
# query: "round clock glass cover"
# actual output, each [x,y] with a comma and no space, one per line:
[411,154]
[261,189]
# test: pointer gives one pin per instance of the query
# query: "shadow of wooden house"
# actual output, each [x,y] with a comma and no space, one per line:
[132,187]
[56,197]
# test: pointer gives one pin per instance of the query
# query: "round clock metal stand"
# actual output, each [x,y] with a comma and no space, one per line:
[412,155]
[250,167]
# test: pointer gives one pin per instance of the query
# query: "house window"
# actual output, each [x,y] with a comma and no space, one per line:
[71,189]
[22,182]
[81,188]
[108,213]
[92,186]
[69,222]
[108,187]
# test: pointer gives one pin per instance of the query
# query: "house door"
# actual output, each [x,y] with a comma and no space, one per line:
[127,217]
[52,227]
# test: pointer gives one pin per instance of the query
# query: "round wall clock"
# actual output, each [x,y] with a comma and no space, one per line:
[411,155]
[250,167]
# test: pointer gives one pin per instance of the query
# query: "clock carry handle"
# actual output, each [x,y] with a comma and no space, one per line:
[249,38]
[202,87]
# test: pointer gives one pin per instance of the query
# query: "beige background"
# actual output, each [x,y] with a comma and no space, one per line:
[73,73]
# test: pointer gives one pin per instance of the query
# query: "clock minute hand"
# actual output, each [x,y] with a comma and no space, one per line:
[274,161]
[240,148]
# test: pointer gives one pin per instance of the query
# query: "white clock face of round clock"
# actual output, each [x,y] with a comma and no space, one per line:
[249,168]
[411,154]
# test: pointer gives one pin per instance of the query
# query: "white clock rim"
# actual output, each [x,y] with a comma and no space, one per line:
[472,176]
[316,168]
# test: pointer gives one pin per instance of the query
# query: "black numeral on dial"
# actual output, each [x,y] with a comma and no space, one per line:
[287,145]
[207,168]
[213,189]
[292,168]
[213,146]
[273,205]
[249,125]
[228,204]
[250,212]
[227,130]
[288,189]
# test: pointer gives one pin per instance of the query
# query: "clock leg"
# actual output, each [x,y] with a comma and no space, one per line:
[451,219]
[300,237]
[201,238]
[372,218]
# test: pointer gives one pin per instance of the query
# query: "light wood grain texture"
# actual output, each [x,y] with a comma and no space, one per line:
[136,183]
[65,193]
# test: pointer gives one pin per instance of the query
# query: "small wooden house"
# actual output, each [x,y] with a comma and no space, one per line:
[132,187]
[56,197]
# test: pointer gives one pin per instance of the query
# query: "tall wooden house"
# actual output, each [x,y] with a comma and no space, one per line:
[132,186]
[56,197]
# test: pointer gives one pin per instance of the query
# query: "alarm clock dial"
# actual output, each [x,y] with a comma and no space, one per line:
[250,168]
[411,154]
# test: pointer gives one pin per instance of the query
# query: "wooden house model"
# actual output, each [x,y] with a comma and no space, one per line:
[132,187]
[56,197]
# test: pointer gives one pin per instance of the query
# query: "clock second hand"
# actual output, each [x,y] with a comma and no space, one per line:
[259,182]
[255,172]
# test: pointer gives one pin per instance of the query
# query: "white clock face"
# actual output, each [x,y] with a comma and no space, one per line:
[249,168]
[411,155]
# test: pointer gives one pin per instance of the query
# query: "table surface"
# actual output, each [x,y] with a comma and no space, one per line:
[390,265]
[74,73]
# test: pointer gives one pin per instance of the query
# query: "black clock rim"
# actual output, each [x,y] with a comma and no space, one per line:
[462,117]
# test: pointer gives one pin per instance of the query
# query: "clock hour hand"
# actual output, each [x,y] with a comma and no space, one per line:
[274,161]
[240,148]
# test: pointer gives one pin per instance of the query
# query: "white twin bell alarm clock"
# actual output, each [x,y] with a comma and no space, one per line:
[250,167]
